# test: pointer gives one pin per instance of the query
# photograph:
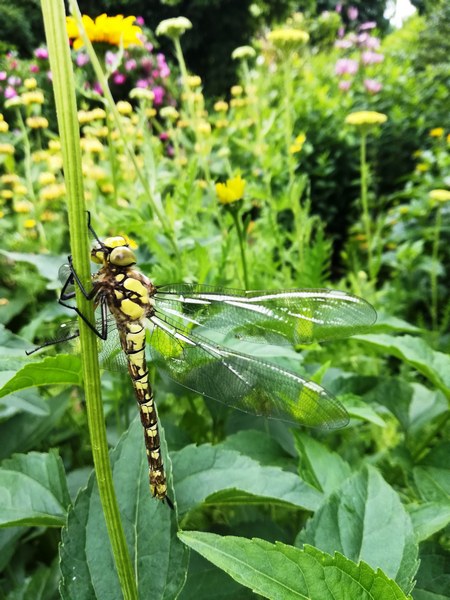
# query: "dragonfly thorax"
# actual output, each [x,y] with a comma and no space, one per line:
[114,251]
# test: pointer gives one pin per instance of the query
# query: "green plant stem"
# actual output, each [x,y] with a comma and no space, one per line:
[434,270]
[109,100]
[184,78]
[365,202]
[241,238]
[288,93]
[64,90]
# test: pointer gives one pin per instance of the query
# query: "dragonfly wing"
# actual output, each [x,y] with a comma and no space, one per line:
[241,381]
[293,316]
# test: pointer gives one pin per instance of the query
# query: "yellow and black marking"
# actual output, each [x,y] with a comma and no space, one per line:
[128,294]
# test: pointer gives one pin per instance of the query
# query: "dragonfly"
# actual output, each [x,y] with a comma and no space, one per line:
[179,317]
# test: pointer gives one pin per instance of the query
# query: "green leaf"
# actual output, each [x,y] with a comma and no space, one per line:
[33,490]
[365,519]
[160,559]
[320,467]
[62,369]
[278,571]
[47,264]
[429,518]
[258,445]
[203,471]
[433,483]
[24,431]
[41,585]
[433,577]
[435,366]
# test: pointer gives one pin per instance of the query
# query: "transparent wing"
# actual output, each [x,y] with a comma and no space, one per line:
[239,380]
[290,316]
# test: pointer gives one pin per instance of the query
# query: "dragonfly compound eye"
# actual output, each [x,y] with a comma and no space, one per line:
[122,257]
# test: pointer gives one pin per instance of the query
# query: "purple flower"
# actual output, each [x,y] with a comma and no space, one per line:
[41,53]
[372,86]
[142,83]
[346,66]
[344,85]
[155,73]
[140,21]
[367,25]
[164,136]
[3,75]
[110,57]
[148,46]
[164,72]
[159,95]
[338,8]
[10,92]
[343,44]
[14,80]
[34,69]
[371,58]
[97,88]
[352,13]
[119,78]
[147,64]
[130,65]
[373,43]
[82,59]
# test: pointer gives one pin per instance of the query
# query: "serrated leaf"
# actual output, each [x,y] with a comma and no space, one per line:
[53,370]
[33,491]
[365,520]
[282,572]
[203,471]
[319,466]
[150,527]
[435,366]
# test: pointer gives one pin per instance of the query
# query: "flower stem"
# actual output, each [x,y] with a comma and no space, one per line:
[64,90]
[434,270]
[365,203]
[241,238]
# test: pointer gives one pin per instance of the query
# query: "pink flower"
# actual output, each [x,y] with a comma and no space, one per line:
[34,69]
[155,73]
[372,86]
[371,58]
[41,53]
[164,72]
[371,42]
[164,136]
[346,66]
[344,85]
[130,64]
[10,92]
[352,13]
[148,46]
[142,83]
[140,21]
[367,25]
[343,44]
[82,59]
[14,80]
[338,8]
[159,95]
[119,78]
[3,75]
[110,57]
[97,88]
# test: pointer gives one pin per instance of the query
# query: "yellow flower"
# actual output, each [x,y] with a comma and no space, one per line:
[29,224]
[91,145]
[6,194]
[9,178]
[298,144]
[20,189]
[142,94]
[422,167]
[365,118]
[33,97]
[243,52]
[30,83]
[107,188]
[222,123]
[437,132]
[46,178]
[169,112]
[48,215]
[236,90]
[182,124]
[23,206]
[440,195]
[4,127]
[53,191]
[173,28]
[193,81]
[117,31]
[37,122]
[231,191]
[6,149]
[124,107]
[54,145]
[238,102]
[221,106]
[287,39]
[203,128]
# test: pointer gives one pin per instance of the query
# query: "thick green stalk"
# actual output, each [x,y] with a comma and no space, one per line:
[64,90]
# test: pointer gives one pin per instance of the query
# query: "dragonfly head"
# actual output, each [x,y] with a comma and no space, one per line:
[114,251]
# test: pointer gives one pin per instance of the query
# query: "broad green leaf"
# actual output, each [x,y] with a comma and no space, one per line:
[25,431]
[47,264]
[387,323]
[320,467]
[33,491]
[26,401]
[429,518]
[150,528]
[9,537]
[435,366]
[257,445]
[365,520]
[433,577]
[200,472]
[62,369]
[206,582]
[433,483]
[282,572]
[11,343]
[41,585]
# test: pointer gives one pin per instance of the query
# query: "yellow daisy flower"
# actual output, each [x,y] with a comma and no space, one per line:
[231,191]
[118,30]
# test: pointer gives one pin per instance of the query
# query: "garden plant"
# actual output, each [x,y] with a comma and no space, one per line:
[324,166]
